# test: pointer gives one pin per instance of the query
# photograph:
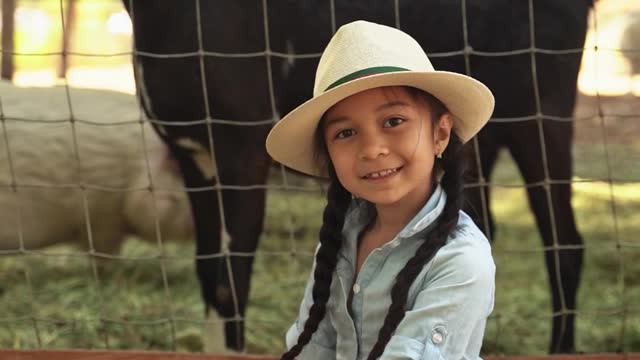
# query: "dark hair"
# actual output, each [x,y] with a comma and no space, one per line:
[338,199]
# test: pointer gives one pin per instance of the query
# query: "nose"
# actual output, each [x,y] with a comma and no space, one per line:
[373,146]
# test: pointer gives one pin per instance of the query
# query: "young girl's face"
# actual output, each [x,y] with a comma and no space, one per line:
[383,142]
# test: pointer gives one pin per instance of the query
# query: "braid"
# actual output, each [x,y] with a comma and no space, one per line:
[338,199]
[452,184]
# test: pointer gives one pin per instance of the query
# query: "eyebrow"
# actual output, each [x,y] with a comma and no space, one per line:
[390,104]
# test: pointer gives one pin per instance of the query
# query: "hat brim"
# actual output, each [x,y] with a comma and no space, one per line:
[291,141]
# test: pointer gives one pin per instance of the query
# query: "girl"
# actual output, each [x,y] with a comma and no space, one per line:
[400,272]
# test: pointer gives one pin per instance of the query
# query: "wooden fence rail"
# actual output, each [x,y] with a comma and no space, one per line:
[128,355]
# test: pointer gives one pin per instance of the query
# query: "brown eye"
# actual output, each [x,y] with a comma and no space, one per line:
[345,133]
[392,122]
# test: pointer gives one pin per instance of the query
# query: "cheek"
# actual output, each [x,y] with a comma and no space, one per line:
[424,159]
[343,171]
[343,164]
[339,159]
[416,144]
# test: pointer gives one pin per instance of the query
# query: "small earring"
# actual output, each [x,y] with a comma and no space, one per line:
[439,156]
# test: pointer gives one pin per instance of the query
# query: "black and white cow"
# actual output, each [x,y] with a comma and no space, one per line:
[181,91]
[181,69]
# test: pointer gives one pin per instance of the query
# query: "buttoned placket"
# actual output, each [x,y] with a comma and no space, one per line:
[345,274]
[352,351]
[368,272]
[354,287]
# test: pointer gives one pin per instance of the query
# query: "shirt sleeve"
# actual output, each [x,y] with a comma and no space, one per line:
[323,342]
[448,317]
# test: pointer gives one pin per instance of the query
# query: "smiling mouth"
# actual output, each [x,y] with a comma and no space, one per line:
[381,174]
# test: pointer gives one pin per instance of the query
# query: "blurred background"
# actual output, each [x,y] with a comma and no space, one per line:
[57,298]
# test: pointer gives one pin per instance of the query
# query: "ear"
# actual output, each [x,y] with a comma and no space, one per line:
[442,132]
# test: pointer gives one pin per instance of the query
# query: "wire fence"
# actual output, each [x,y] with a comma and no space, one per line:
[57,186]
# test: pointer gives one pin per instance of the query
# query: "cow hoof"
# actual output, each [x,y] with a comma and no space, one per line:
[213,335]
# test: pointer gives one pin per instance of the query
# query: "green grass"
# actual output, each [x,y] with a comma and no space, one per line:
[520,323]
[63,305]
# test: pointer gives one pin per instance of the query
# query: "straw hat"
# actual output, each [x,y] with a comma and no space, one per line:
[361,56]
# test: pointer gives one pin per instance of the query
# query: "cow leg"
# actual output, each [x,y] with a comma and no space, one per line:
[551,205]
[482,153]
[226,253]
[243,214]
[207,225]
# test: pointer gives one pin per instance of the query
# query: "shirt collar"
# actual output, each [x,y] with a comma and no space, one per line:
[360,213]
[427,215]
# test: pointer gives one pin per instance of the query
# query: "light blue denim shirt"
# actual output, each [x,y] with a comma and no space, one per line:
[447,306]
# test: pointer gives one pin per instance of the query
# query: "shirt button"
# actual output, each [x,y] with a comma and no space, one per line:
[436,338]
[438,334]
[356,288]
